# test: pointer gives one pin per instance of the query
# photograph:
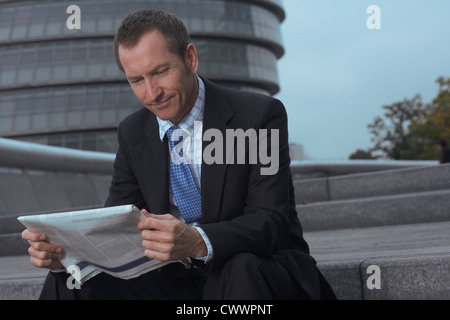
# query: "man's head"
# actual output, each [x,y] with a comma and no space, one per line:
[153,49]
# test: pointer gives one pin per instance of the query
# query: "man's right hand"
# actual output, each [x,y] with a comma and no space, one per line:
[43,254]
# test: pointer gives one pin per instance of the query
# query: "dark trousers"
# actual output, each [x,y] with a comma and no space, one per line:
[243,277]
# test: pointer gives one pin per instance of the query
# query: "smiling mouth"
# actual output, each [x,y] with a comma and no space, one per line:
[161,103]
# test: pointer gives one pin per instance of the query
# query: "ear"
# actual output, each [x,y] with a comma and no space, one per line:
[191,59]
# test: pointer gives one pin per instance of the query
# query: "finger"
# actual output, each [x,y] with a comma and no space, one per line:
[145,212]
[158,246]
[157,236]
[40,263]
[155,223]
[27,234]
[45,246]
[167,217]
[44,255]
[47,263]
[158,255]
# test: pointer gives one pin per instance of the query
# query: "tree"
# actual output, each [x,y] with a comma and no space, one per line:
[362,155]
[390,134]
[425,133]
[410,130]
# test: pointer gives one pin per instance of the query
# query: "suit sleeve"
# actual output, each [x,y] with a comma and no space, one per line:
[264,225]
[124,187]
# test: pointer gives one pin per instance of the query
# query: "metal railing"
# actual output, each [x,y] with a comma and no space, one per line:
[26,155]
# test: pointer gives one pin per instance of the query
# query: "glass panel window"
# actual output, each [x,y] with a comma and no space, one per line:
[74,119]
[22,122]
[76,99]
[5,124]
[19,32]
[39,121]
[57,120]
[41,103]
[25,76]
[54,28]
[61,73]
[6,105]
[59,101]
[44,55]
[55,140]
[72,141]
[42,74]
[88,141]
[7,78]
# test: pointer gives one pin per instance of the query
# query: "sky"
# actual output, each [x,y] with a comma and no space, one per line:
[337,74]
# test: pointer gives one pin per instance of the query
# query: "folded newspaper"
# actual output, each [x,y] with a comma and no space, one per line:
[97,240]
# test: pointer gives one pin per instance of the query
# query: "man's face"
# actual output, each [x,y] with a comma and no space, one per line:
[163,82]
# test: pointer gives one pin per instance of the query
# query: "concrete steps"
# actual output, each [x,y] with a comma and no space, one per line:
[408,208]
[396,220]
[414,260]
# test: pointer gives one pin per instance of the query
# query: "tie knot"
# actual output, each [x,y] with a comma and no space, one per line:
[175,135]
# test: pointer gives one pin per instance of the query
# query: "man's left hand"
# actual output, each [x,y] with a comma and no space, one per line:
[167,238]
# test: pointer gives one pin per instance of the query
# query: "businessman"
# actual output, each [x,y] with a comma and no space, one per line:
[237,225]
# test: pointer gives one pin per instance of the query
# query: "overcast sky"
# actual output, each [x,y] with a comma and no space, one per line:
[337,74]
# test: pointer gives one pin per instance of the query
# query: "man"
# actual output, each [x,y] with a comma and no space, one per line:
[445,151]
[238,226]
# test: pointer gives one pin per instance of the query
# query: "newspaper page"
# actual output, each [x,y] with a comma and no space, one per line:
[98,240]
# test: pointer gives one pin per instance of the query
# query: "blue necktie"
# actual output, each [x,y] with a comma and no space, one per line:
[185,192]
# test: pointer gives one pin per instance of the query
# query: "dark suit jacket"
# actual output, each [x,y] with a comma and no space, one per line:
[242,211]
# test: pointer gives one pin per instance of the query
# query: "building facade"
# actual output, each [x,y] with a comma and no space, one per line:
[61,86]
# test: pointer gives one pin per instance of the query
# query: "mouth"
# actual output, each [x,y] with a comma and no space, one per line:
[162,104]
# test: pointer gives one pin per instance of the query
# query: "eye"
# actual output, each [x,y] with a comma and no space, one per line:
[160,72]
[136,81]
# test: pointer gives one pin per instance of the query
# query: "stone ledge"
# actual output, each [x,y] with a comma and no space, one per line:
[379,211]
[363,185]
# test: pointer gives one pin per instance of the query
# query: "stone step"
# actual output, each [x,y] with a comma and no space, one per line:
[19,280]
[383,183]
[413,261]
[410,208]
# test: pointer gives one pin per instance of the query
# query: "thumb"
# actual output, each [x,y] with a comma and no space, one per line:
[145,213]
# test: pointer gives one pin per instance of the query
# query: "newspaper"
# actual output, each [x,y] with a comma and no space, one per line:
[97,240]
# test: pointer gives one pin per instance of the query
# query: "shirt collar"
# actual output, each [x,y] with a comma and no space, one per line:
[196,114]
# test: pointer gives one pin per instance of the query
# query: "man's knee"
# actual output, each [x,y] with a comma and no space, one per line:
[239,277]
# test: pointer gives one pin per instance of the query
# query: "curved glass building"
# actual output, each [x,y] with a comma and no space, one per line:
[61,86]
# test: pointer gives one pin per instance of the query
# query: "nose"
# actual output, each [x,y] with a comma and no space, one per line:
[154,92]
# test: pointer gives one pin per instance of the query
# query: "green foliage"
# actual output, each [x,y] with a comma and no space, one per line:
[410,130]
[362,155]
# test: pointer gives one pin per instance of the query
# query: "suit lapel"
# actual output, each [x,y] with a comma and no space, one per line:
[216,116]
[152,157]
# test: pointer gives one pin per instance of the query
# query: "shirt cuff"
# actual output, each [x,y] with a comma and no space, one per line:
[208,257]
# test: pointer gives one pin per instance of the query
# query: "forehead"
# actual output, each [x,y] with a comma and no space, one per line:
[152,49]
